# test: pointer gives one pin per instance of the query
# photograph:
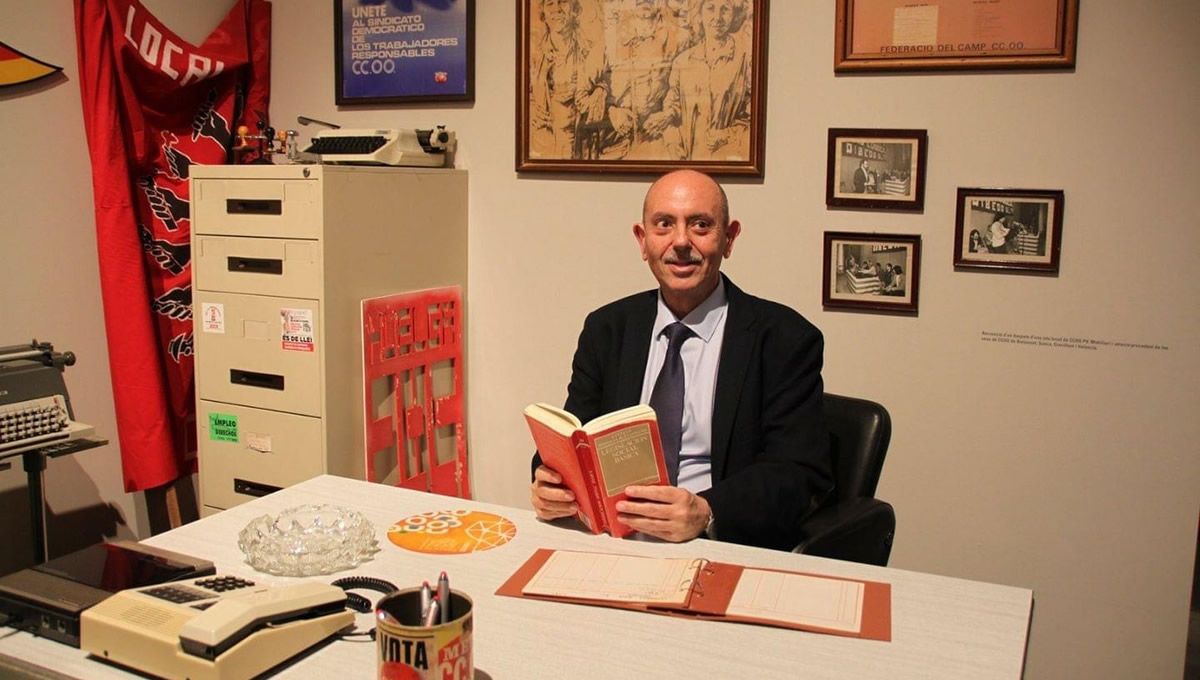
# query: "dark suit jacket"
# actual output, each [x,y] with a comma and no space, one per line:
[770,457]
[860,181]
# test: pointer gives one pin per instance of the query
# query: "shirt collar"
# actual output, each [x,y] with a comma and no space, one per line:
[703,320]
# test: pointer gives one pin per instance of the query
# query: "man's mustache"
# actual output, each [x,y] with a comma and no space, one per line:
[683,259]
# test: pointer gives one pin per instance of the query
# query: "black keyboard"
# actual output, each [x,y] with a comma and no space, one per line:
[346,145]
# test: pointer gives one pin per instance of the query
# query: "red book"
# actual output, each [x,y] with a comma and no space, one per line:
[599,459]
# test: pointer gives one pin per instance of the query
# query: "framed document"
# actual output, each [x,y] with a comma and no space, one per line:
[874,272]
[641,87]
[1008,229]
[396,53]
[913,35]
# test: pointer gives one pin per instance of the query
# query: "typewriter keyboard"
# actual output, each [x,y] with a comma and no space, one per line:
[27,422]
[344,145]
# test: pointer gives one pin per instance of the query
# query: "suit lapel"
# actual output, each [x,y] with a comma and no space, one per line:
[635,349]
[736,349]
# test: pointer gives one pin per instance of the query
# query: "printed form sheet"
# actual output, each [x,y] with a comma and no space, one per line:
[796,598]
[623,578]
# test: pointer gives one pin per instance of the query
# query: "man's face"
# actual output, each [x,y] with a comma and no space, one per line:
[684,237]
[555,13]
[716,16]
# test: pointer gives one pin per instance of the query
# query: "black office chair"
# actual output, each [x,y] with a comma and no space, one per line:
[852,524]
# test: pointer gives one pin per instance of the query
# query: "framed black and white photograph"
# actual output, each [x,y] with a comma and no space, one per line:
[876,272]
[1008,229]
[876,169]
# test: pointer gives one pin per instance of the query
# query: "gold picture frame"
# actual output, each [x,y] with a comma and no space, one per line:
[901,35]
[612,86]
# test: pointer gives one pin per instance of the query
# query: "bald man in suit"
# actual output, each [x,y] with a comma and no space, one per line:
[754,458]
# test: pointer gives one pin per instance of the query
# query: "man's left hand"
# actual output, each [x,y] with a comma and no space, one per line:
[666,512]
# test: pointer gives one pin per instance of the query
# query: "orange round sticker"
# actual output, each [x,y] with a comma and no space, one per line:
[445,532]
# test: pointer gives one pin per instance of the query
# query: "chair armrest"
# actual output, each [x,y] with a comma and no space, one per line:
[856,529]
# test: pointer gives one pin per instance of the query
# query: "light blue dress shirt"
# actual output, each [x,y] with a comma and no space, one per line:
[701,355]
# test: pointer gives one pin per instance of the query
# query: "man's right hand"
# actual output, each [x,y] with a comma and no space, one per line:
[550,499]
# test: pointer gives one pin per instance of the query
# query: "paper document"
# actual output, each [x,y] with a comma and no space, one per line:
[796,598]
[625,578]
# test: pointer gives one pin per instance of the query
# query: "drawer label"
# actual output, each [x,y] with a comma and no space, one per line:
[223,427]
[296,329]
[213,316]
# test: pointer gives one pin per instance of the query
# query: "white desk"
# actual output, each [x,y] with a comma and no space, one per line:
[941,627]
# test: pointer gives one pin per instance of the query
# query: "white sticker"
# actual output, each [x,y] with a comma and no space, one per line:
[258,442]
[296,329]
[213,316]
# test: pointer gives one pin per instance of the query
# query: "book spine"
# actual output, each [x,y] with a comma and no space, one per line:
[587,463]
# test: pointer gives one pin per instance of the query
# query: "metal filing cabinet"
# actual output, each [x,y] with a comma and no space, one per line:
[283,255]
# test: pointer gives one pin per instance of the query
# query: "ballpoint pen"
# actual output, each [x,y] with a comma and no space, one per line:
[426,598]
[443,592]
[431,616]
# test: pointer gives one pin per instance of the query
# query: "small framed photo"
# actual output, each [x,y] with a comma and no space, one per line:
[1008,229]
[876,169]
[877,272]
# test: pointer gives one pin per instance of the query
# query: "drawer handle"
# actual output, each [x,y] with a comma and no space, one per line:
[255,265]
[248,488]
[252,379]
[254,206]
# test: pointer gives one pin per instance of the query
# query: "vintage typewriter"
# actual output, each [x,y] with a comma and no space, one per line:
[35,410]
[426,148]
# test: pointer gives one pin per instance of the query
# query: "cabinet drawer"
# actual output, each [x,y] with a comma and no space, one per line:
[259,351]
[248,207]
[245,452]
[260,266]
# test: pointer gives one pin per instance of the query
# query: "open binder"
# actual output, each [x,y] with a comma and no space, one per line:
[704,589]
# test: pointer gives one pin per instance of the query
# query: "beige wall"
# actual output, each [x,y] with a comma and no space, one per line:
[1073,472]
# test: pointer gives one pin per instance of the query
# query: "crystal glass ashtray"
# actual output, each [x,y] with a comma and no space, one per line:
[307,540]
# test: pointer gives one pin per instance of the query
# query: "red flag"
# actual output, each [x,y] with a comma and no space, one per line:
[153,105]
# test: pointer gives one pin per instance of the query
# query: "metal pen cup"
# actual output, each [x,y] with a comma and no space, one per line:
[408,650]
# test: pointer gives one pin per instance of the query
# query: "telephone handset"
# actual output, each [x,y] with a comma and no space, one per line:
[212,627]
[231,619]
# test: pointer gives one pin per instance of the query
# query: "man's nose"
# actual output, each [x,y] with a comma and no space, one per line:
[679,238]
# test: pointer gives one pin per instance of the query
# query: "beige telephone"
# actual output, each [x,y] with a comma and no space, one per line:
[213,627]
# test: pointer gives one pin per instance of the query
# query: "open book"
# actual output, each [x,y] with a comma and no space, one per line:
[710,590]
[599,459]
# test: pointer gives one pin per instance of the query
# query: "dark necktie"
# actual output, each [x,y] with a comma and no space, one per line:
[667,398]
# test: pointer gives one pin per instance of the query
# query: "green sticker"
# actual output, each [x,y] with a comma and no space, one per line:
[222,427]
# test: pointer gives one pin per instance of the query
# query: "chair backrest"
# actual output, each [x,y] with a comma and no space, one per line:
[859,433]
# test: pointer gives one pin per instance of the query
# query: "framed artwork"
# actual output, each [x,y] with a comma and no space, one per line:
[874,272]
[876,169]
[402,52]
[641,87]
[901,35]
[1012,229]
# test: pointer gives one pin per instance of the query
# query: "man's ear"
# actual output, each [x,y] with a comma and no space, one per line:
[639,233]
[731,232]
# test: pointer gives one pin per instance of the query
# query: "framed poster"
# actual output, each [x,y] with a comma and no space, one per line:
[1008,229]
[882,169]
[875,272]
[902,35]
[394,52]
[641,87]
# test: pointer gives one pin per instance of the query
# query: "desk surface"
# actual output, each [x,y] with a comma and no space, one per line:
[941,627]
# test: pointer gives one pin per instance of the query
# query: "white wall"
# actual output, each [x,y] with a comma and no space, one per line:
[1069,471]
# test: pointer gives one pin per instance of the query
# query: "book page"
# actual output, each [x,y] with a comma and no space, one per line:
[562,422]
[623,578]
[797,598]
